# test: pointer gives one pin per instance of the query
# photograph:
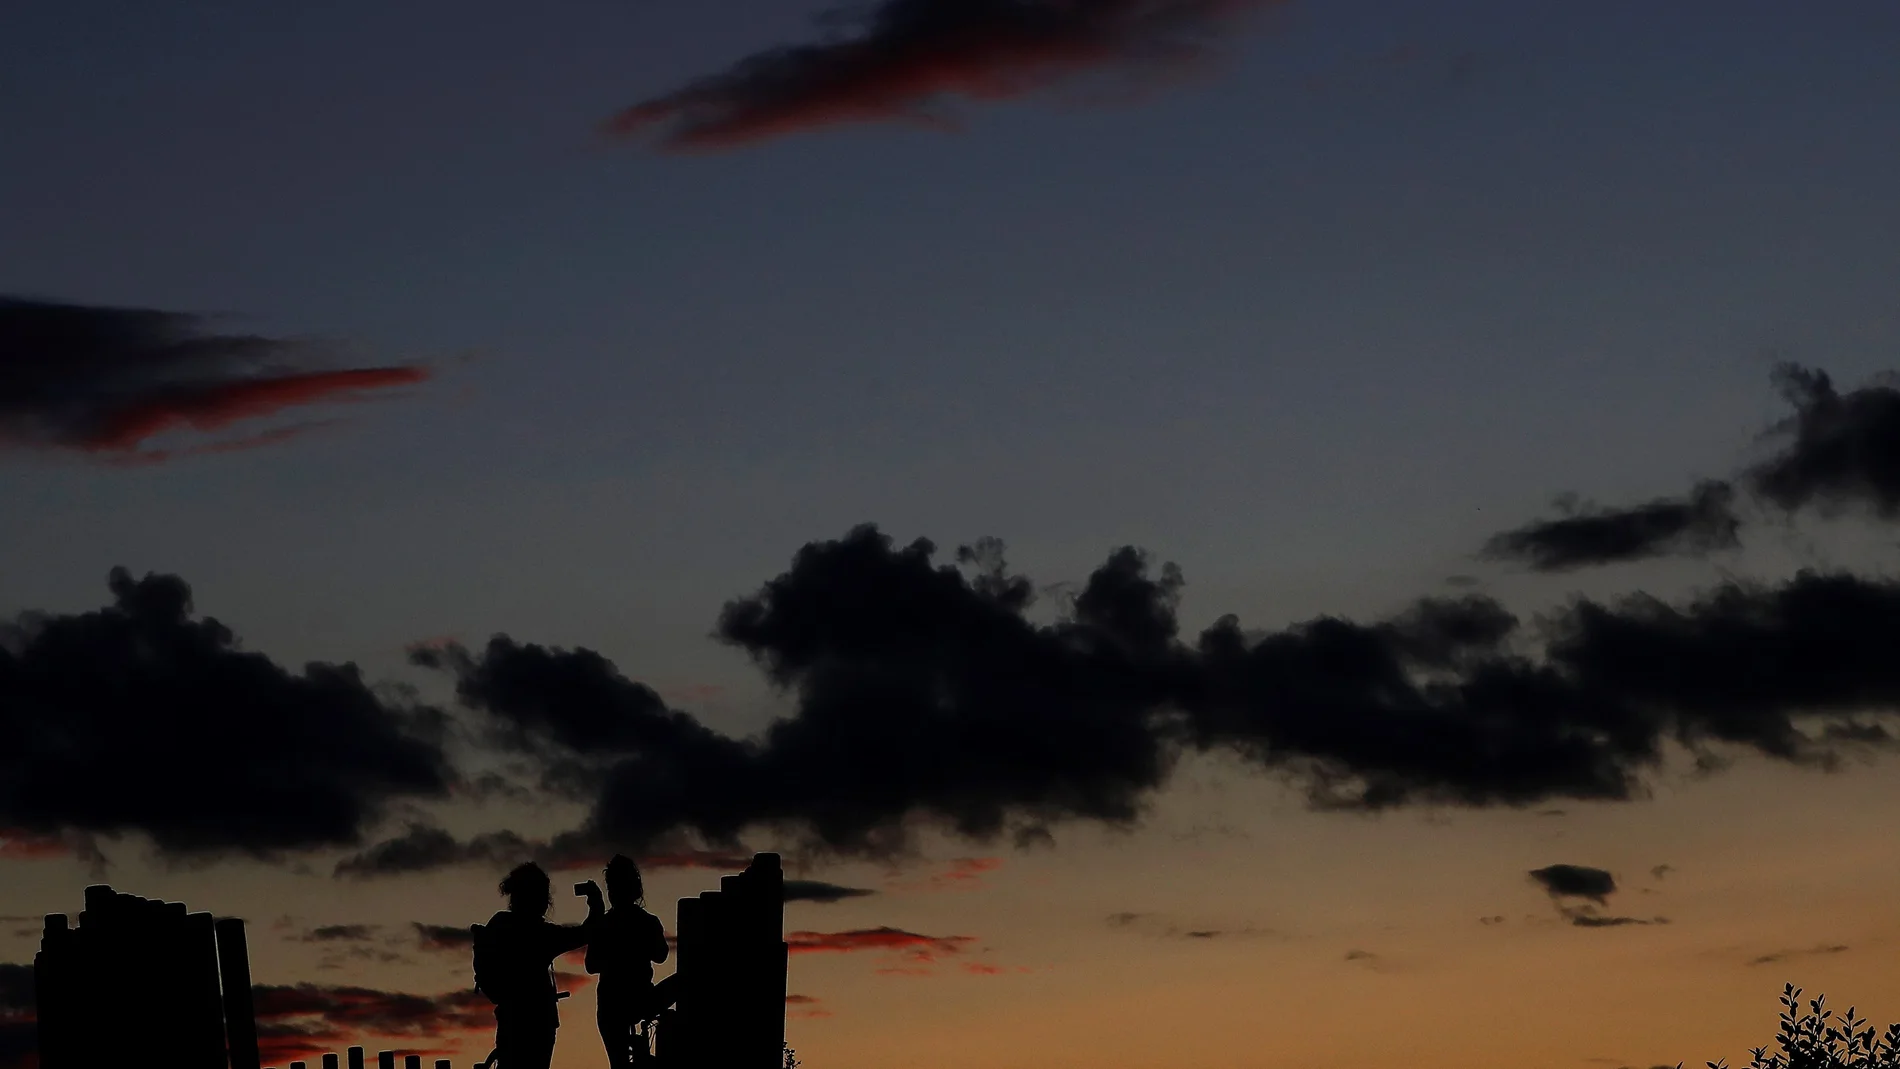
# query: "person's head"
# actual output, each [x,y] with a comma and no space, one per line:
[623,881]
[528,889]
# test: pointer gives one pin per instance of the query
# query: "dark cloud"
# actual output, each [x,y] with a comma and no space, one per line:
[1567,883]
[141,717]
[446,937]
[346,944]
[1700,523]
[304,1021]
[902,59]
[1575,881]
[924,691]
[1361,955]
[1844,449]
[109,380]
[1784,955]
[341,933]
[1660,871]
[423,848]
[1837,451]
[820,891]
[1584,917]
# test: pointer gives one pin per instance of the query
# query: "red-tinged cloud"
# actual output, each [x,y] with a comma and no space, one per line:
[110,381]
[28,846]
[960,874]
[722,860]
[966,873]
[911,945]
[307,1020]
[982,969]
[805,1007]
[904,58]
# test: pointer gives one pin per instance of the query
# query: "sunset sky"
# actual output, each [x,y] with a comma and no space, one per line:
[1412,497]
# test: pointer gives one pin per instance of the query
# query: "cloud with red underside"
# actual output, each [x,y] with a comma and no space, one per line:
[112,382]
[27,846]
[966,873]
[912,946]
[904,58]
[806,1007]
[960,874]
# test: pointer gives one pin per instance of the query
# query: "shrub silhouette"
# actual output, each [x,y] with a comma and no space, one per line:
[1817,1039]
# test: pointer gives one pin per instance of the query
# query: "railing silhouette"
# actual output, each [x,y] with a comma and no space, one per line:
[385,1059]
[141,974]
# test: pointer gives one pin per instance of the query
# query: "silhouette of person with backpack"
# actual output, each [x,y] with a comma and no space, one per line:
[514,961]
[626,944]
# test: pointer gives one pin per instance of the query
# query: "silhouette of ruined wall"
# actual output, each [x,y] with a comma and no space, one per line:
[730,967]
[137,978]
[140,981]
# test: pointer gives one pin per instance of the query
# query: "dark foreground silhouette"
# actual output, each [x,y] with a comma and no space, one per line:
[143,981]
[1817,1039]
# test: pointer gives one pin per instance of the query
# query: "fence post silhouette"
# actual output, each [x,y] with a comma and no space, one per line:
[385,1059]
[356,1058]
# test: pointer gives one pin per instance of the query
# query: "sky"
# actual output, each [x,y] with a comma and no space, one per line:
[1512,376]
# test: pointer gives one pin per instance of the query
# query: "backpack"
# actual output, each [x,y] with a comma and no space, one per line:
[487,969]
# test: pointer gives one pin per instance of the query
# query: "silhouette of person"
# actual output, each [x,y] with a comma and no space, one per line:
[627,942]
[515,960]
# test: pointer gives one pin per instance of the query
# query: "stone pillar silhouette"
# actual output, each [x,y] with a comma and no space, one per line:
[730,966]
[133,971]
[356,1058]
[240,1015]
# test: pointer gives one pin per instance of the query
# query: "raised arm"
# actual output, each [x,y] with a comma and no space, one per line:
[562,938]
